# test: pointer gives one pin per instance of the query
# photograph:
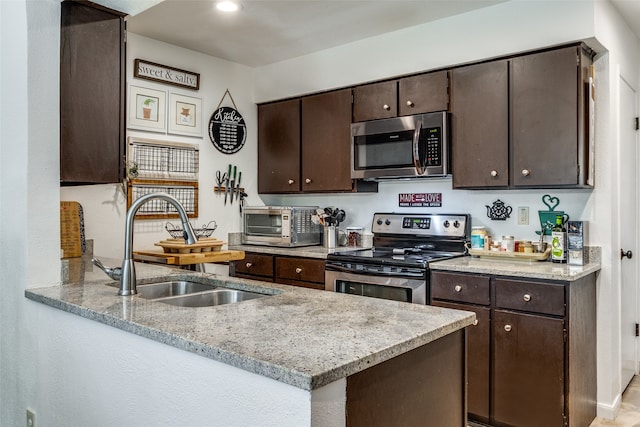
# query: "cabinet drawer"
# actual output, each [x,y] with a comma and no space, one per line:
[255,264]
[300,269]
[544,298]
[460,287]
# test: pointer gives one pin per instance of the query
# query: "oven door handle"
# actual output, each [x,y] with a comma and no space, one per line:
[417,163]
[333,267]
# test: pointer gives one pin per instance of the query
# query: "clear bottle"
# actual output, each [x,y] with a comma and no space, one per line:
[559,241]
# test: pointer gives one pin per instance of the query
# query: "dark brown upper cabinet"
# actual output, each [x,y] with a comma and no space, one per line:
[92,94]
[521,122]
[304,145]
[279,147]
[418,94]
[480,125]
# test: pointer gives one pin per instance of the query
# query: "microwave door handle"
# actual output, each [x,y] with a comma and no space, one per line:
[416,152]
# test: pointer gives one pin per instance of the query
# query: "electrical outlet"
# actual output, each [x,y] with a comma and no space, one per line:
[31,418]
[523,215]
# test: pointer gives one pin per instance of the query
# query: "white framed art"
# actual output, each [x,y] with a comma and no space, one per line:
[147,109]
[185,115]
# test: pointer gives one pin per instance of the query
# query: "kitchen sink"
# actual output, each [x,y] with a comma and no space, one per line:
[211,298]
[185,293]
[171,288]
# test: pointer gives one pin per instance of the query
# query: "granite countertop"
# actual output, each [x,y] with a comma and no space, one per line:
[526,269]
[319,252]
[303,337]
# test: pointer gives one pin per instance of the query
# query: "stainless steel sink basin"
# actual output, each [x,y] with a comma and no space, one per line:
[171,288]
[185,293]
[211,298]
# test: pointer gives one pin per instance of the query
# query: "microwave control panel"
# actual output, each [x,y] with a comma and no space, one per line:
[431,143]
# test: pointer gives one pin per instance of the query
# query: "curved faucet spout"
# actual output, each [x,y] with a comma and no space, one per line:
[128,278]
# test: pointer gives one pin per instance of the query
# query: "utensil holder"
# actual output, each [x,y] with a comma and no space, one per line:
[329,238]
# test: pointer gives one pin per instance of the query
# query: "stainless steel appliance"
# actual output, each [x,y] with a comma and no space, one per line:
[397,267]
[280,226]
[401,147]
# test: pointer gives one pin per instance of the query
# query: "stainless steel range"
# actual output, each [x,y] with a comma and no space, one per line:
[397,267]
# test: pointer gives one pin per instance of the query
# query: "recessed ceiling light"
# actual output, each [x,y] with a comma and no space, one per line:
[227,6]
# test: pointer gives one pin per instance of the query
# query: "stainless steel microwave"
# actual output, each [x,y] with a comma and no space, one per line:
[401,147]
[280,226]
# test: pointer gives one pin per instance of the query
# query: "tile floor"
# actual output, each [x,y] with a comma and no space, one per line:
[629,414]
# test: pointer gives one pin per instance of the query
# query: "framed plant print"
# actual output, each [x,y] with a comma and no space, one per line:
[185,115]
[147,109]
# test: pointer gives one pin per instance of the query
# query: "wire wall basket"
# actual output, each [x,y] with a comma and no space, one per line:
[149,159]
[185,192]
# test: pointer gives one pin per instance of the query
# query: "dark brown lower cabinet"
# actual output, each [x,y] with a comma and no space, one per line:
[296,271]
[532,355]
[528,357]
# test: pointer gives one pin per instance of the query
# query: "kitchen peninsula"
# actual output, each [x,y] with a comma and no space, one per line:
[376,360]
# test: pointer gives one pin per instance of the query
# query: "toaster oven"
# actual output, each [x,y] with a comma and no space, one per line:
[280,226]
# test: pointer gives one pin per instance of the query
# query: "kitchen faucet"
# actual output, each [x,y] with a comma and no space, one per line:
[127,273]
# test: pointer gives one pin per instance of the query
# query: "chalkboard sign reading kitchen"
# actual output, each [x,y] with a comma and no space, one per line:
[227,130]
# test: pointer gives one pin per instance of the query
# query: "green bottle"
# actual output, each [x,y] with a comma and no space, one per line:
[559,241]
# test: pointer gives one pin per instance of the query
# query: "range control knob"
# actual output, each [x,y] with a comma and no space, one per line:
[456,224]
[387,221]
[379,221]
[447,224]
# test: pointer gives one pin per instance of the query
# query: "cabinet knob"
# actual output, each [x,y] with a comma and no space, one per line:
[291,181]
[298,270]
[527,297]
[526,172]
[475,322]
[308,180]
[494,173]
[386,107]
[410,104]
[248,265]
[457,288]
[507,328]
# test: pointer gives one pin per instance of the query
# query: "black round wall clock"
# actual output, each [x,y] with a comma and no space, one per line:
[227,130]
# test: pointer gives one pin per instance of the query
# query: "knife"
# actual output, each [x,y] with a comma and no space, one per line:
[227,189]
[233,184]
[238,184]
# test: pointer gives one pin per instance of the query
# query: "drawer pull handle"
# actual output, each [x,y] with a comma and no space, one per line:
[386,107]
[526,172]
[410,103]
[457,288]
[298,270]
[475,322]
[494,173]
[308,180]
[507,328]
[248,265]
[527,297]
[291,181]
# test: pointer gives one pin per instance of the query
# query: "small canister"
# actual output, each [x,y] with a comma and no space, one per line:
[354,236]
[478,236]
[508,243]
[526,246]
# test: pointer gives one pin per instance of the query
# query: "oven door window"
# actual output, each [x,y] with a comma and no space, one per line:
[376,291]
[263,224]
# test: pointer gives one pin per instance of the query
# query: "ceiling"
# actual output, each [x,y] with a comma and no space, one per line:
[268,31]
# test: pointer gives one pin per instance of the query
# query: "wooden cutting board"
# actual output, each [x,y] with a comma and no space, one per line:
[71,229]
[187,259]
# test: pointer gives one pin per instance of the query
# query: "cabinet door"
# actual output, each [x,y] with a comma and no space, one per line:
[253,265]
[326,141]
[544,118]
[375,101]
[478,359]
[279,147]
[424,93]
[92,95]
[480,126]
[528,367]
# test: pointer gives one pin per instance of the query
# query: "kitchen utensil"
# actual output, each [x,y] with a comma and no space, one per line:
[238,185]
[227,189]
[233,183]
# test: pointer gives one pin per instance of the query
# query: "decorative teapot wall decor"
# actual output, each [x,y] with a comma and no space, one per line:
[499,211]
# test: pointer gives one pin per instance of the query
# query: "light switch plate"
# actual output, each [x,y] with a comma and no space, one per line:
[523,215]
